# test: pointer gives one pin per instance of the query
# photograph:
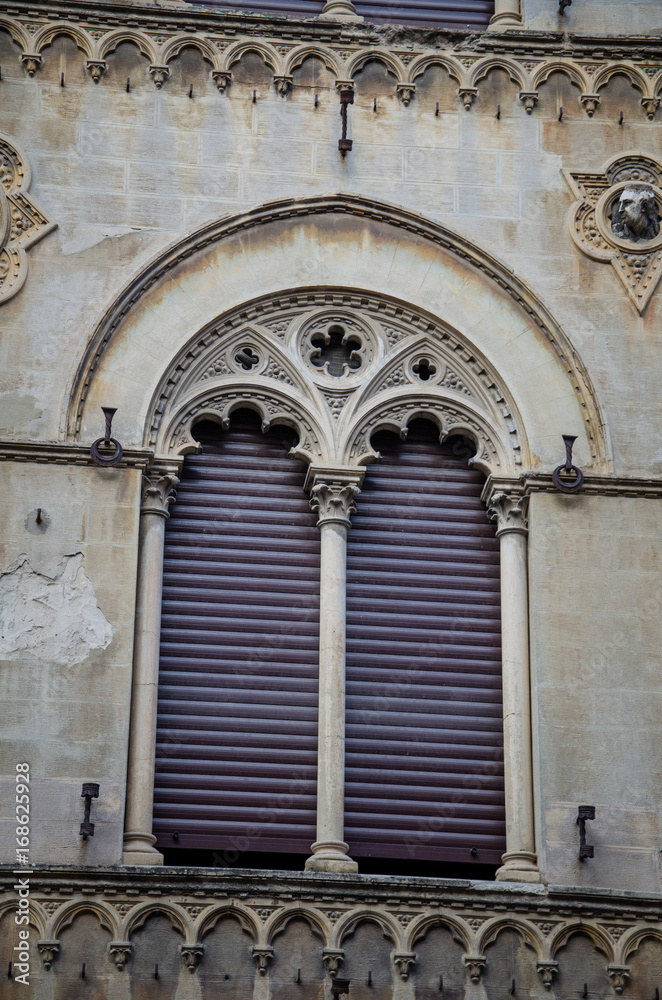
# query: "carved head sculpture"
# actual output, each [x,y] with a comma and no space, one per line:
[635,215]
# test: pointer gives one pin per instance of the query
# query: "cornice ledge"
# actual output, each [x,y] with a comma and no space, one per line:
[541,482]
[62,453]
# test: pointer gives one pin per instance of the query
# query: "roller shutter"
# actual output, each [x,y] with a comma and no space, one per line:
[237,711]
[461,14]
[424,776]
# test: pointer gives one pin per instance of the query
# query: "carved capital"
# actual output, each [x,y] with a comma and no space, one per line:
[618,976]
[191,953]
[332,958]
[262,955]
[547,971]
[48,951]
[159,486]
[591,103]
[159,75]
[468,95]
[222,78]
[650,106]
[333,492]
[529,99]
[475,965]
[405,92]
[120,952]
[283,84]
[404,961]
[509,512]
[97,68]
[31,61]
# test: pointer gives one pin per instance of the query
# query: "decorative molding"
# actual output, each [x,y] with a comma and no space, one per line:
[547,970]
[333,493]
[404,960]
[600,231]
[191,955]
[332,958]
[48,951]
[22,223]
[602,486]
[159,489]
[61,453]
[475,965]
[509,512]
[262,955]
[120,952]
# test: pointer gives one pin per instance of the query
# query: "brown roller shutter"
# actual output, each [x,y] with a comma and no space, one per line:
[424,758]
[473,14]
[237,714]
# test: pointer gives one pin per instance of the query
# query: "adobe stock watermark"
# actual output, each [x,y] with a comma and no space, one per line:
[21,952]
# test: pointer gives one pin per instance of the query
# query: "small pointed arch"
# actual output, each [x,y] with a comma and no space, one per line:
[177,916]
[634,75]
[391,62]
[266,52]
[108,918]
[38,916]
[656,85]
[571,70]
[16,32]
[529,934]
[111,41]
[245,917]
[485,66]
[349,923]
[319,924]
[600,938]
[630,942]
[459,929]
[303,52]
[423,63]
[174,47]
[50,32]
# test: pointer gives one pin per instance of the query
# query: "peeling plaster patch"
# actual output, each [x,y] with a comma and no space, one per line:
[89,236]
[51,618]
[17,411]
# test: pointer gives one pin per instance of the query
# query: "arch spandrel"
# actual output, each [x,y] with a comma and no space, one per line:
[358,250]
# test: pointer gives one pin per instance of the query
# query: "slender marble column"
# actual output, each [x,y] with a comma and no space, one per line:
[507,14]
[332,495]
[520,862]
[159,484]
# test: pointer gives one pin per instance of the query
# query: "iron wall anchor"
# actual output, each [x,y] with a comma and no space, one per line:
[339,986]
[585,812]
[346,98]
[112,459]
[90,791]
[565,485]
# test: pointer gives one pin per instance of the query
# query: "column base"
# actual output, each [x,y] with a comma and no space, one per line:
[331,856]
[519,866]
[139,849]
[501,22]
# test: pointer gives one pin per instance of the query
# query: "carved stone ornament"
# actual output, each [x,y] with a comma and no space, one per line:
[333,502]
[159,485]
[404,961]
[21,223]
[618,976]
[332,958]
[475,965]
[262,955]
[191,954]
[547,970]
[509,512]
[48,951]
[120,952]
[617,220]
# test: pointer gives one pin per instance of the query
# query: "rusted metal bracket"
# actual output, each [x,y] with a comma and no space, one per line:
[563,4]
[339,986]
[112,459]
[565,485]
[345,144]
[585,812]
[90,791]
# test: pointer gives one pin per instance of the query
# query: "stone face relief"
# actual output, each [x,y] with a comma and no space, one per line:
[635,216]
[51,618]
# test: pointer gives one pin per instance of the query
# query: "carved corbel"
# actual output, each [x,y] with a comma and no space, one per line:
[529,99]
[509,512]
[547,971]
[191,954]
[475,965]
[31,61]
[283,84]
[159,74]
[97,68]
[120,952]
[48,951]
[650,106]
[405,92]
[262,955]
[159,486]
[591,103]
[332,958]
[468,95]
[222,78]
[618,976]
[404,961]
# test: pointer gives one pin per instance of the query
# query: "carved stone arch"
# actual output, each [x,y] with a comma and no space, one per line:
[629,944]
[571,70]
[600,938]
[656,85]
[396,411]
[349,923]
[528,932]
[459,929]
[268,54]
[319,924]
[515,72]
[16,32]
[107,917]
[112,39]
[177,916]
[245,917]
[635,76]
[174,46]
[392,63]
[419,66]
[38,916]
[50,32]
[297,57]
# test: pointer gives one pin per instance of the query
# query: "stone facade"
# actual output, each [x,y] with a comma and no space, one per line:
[172,192]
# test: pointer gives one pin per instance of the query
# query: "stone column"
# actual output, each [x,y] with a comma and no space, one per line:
[520,863]
[507,14]
[159,484]
[332,496]
[340,10]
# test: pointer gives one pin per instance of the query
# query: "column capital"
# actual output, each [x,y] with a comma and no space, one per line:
[160,480]
[509,510]
[333,491]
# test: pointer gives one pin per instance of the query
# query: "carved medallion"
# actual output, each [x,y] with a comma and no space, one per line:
[21,222]
[617,220]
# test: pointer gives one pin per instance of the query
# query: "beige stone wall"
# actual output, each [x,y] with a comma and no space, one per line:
[610,17]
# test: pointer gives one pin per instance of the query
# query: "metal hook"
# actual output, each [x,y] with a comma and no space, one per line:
[298,979]
[9,971]
[82,972]
[436,110]
[498,114]
[128,84]
[562,484]
[563,4]
[38,518]
[0,72]
[620,120]
[62,79]
[254,96]
[190,91]
[584,813]
[441,982]
[369,977]
[561,113]
[156,972]
[316,100]
[374,104]
[108,460]
[512,988]
[585,993]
